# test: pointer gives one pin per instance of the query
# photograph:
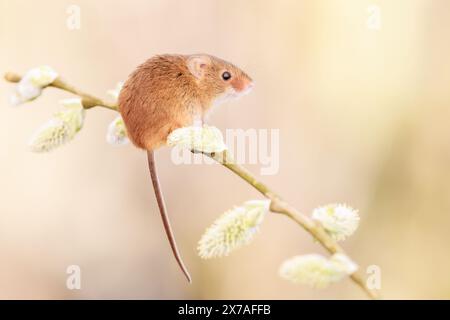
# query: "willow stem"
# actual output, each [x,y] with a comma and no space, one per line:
[277,205]
[88,101]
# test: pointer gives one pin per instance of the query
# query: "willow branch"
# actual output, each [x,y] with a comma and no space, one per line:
[277,205]
[88,101]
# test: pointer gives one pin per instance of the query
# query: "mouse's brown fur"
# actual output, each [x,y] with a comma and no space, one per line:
[172,91]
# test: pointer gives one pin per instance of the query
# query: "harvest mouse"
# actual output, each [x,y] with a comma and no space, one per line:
[168,92]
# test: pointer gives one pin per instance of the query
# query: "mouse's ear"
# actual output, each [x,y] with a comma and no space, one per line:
[197,65]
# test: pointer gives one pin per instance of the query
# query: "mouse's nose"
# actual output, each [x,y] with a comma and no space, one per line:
[242,85]
[248,87]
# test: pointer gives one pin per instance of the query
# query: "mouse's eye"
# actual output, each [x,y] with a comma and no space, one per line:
[226,75]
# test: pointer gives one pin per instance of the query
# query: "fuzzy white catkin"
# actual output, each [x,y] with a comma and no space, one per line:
[316,270]
[205,139]
[61,128]
[116,133]
[31,84]
[234,229]
[114,93]
[339,221]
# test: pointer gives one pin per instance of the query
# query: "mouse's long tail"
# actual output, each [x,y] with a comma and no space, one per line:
[163,212]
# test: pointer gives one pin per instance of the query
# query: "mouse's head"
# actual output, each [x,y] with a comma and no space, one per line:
[217,79]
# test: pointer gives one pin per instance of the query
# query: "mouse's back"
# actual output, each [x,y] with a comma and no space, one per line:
[153,100]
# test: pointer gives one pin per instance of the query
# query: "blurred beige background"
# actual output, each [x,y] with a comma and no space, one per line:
[363,117]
